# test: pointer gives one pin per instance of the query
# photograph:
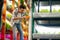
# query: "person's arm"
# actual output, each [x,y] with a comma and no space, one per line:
[14,15]
[17,18]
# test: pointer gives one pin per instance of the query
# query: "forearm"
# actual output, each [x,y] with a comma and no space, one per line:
[17,18]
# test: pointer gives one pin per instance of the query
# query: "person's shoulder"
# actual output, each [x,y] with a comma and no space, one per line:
[15,10]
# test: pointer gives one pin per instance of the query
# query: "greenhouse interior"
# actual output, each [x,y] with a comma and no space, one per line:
[34,20]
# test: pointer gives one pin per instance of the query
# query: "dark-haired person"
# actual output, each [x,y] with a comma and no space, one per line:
[1,5]
[18,15]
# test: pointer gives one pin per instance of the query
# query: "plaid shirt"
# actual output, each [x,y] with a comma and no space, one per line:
[16,14]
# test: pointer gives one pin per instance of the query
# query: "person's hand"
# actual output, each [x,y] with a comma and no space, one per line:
[19,17]
[24,17]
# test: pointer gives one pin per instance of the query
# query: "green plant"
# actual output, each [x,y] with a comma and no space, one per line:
[8,26]
[44,11]
[54,10]
[59,10]
[8,15]
[16,3]
[22,1]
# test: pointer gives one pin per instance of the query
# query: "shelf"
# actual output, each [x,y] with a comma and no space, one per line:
[36,35]
[46,16]
[51,25]
[47,0]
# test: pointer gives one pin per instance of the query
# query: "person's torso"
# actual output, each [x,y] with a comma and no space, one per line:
[18,15]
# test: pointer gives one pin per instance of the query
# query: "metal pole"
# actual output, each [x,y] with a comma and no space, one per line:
[50,39]
[38,5]
[32,16]
[50,5]
[50,8]
[37,39]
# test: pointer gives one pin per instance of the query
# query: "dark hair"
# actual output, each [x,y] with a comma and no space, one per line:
[22,6]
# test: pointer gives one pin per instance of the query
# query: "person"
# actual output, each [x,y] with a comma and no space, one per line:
[18,15]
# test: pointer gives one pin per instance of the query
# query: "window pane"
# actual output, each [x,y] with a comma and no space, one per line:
[44,7]
[55,6]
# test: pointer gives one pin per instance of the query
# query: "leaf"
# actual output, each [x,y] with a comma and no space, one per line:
[21,1]
[16,3]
